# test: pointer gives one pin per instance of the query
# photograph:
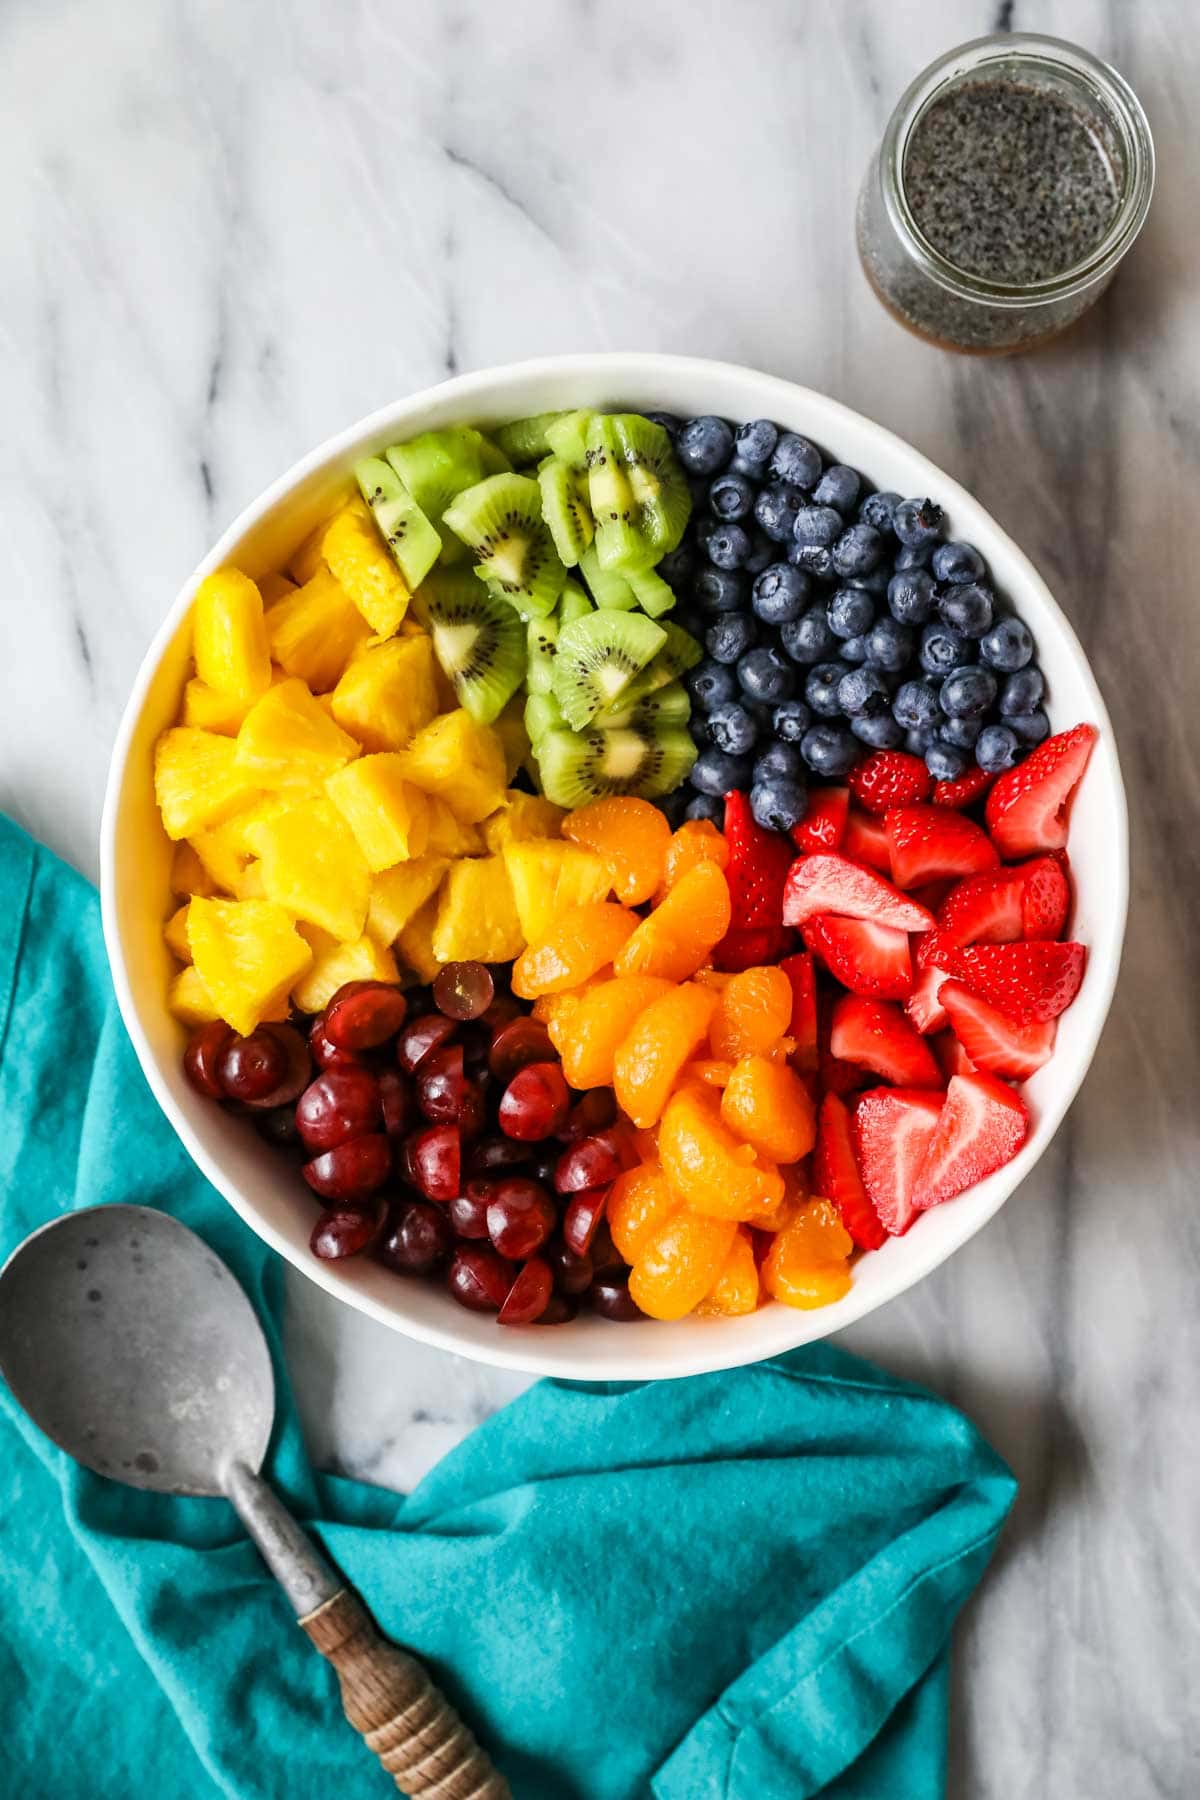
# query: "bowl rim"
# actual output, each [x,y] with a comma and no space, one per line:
[519,1350]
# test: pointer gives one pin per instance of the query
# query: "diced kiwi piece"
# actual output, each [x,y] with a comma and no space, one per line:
[541,643]
[477,638]
[573,604]
[654,595]
[667,706]
[525,441]
[659,485]
[500,521]
[542,714]
[565,509]
[575,767]
[598,657]
[492,458]
[436,466]
[621,544]
[566,438]
[609,590]
[679,652]
[408,534]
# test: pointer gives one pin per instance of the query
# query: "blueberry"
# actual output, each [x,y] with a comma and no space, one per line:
[913,556]
[917,521]
[730,637]
[889,645]
[719,591]
[730,497]
[878,730]
[766,675]
[962,733]
[776,509]
[850,612]
[790,721]
[958,563]
[733,729]
[710,684]
[830,750]
[1031,728]
[819,526]
[754,442]
[814,559]
[911,596]
[779,803]
[795,460]
[716,772]
[854,649]
[668,421]
[1008,646]
[678,564]
[780,759]
[821,688]
[918,741]
[727,546]
[781,594]
[967,693]
[707,806]
[762,553]
[858,550]
[916,705]
[942,649]
[879,510]
[968,609]
[997,749]
[704,445]
[838,487]
[1022,693]
[862,691]
[943,761]
[875,583]
[809,639]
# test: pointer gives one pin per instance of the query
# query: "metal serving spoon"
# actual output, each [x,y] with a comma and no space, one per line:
[132,1346]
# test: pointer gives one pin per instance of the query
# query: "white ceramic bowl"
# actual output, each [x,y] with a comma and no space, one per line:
[135,856]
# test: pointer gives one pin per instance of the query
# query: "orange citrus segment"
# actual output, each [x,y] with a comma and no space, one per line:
[755,1010]
[736,1289]
[651,1054]
[707,1166]
[678,1263]
[697,840]
[586,1035]
[638,1203]
[808,1264]
[630,837]
[679,936]
[767,1105]
[581,941]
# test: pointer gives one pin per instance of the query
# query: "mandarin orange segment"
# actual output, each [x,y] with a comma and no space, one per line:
[755,1010]
[587,1035]
[581,941]
[707,1166]
[711,1070]
[630,837]
[679,936]
[678,1263]
[639,1202]
[766,1104]
[696,841]
[736,1289]
[808,1264]
[653,1051]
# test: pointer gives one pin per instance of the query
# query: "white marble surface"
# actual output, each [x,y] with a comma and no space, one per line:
[232,229]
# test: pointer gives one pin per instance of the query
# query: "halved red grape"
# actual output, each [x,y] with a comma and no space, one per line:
[595,1111]
[572,1273]
[324,1052]
[443,1091]
[297,1070]
[250,1068]
[592,1162]
[420,1036]
[520,1217]
[342,1103]
[352,1171]
[364,1014]
[395,1100]
[278,1126]
[523,1041]
[346,1231]
[535,1102]
[609,1295]
[418,1237]
[468,1211]
[203,1055]
[501,1012]
[496,1153]
[463,990]
[559,1311]
[529,1295]
[582,1217]
[479,1279]
[603,1251]
[434,1158]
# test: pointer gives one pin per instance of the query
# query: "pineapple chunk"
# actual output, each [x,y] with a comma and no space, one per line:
[312,865]
[197,781]
[547,876]
[210,711]
[175,934]
[314,631]
[521,817]
[249,956]
[250,883]
[510,728]
[388,816]
[463,762]
[226,850]
[229,639]
[387,694]
[477,919]
[306,559]
[289,741]
[275,586]
[398,893]
[414,946]
[353,550]
[363,960]
[189,875]
[189,1001]
[448,836]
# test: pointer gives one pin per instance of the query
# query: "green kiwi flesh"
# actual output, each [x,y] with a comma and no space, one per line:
[525,441]
[669,705]
[436,466]
[575,767]
[609,590]
[654,595]
[477,638]
[678,653]
[500,521]
[409,536]
[659,486]
[597,659]
[621,544]
[565,509]
[542,714]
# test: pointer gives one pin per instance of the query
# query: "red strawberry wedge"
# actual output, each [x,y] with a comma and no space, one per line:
[865,957]
[890,778]
[981,1127]
[1028,808]
[1045,898]
[892,1130]
[801,972]
[927,843]
[992,1040]
[876,1034]
[831,884]
[865,841]
[756,871]
[964,792]
[835,1173]
[983,909]
[824,823]
[923,1005]
[1027,981]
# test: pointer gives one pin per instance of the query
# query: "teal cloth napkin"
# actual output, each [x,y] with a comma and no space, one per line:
[741,1585]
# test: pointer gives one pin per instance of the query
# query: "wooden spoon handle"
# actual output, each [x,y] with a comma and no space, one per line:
[390,1700]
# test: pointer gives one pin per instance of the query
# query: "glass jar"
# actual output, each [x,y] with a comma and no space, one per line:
[988,309]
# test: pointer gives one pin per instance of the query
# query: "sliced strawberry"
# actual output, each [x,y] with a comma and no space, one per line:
[865,841]
[932,894]
[750,949]
[757,867]
[835,1172]
[983,909]
[865,957]
[892,1130]
[923,1007]
[981,1127]
[801,972]
[876,1034]
[831,884]
[1028,808]
[824,823]
[1026,981]
[992,1040]
[963,792]
[928,842]
[1045,898]
[890,778]
[952,1058]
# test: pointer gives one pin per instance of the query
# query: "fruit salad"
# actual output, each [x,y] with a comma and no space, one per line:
[621,863]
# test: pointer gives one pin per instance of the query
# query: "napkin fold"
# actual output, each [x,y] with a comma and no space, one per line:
[736,1587]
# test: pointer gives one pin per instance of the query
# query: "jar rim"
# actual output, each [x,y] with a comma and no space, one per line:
[1108,89]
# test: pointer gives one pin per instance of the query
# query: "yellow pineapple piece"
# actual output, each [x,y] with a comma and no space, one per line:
[289,741]
[250,883]
[210,711]
[354,551]
[275,586]
[229,638]
[461,761]
[188,874]
[312,865]
[363,960]
[313,632]
[386,694]
[477,918]
[249,956]
[521,817]
[175,934]
[448,836]
[197,781]
[510,727]
[398,893]
[387,814]
[414,946]
[226,850]
[307,558]
[547,876]
[189,1001]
